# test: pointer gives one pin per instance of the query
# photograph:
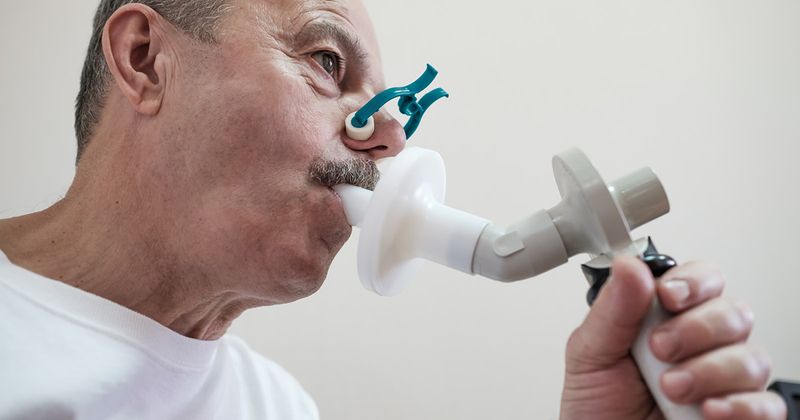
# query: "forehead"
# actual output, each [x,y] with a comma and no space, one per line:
[283,19]
[291,14]
[335,6]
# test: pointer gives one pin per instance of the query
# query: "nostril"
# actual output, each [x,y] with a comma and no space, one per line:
[380,148]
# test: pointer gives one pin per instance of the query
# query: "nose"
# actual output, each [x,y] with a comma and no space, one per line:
[388,140]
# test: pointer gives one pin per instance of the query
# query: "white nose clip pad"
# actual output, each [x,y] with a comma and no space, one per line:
[361,134]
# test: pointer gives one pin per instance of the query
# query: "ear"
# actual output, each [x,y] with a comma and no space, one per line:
[136,56]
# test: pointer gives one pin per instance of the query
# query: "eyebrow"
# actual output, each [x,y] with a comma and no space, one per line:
[326,30]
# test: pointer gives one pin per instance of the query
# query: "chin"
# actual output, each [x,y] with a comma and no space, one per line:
[293,262]
[300,270]
[296,289]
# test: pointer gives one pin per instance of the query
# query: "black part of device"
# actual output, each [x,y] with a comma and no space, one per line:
[790,392]
[597,276]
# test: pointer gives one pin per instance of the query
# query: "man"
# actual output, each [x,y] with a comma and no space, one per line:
[210,133]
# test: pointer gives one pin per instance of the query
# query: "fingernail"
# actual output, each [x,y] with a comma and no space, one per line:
[677,383]
[666,344]
[719,409]
[678,289]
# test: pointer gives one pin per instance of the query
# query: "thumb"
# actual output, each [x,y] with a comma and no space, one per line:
[610,328]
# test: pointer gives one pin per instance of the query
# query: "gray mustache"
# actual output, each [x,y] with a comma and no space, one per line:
[359,172]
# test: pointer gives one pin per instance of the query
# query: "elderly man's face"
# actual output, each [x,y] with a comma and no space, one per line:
[254,115]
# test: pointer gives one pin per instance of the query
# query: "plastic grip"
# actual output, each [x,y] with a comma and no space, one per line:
[652,368]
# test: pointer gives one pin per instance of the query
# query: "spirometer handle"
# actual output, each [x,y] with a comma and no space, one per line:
[651,367]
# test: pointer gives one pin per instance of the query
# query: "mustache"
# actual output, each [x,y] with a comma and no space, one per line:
[360,172]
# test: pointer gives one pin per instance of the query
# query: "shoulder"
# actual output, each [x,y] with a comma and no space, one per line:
[267,381]
[241,353]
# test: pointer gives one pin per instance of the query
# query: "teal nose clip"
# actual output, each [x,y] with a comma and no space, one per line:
[409,105]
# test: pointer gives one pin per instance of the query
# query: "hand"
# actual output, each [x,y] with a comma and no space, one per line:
[705,340]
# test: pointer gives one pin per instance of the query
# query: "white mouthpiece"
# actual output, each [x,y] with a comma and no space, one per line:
[355,200]
[404,221]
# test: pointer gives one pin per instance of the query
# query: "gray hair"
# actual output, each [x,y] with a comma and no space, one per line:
[200,19]
[360,172]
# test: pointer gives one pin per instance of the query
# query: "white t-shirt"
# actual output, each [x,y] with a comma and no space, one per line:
[69,354]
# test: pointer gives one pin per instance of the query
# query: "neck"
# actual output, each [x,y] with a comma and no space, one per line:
[100,239]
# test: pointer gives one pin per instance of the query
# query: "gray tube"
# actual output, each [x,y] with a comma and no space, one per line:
[526,249]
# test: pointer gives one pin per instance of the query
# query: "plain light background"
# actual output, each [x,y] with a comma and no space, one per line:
[705,92]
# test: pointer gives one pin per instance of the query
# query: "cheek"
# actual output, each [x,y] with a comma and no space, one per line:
[246,155]
[282,138]
[272,118]
[288,248]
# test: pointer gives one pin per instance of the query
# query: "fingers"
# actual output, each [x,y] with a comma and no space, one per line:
[688,285]
[714,324]
[734,374]
[733,369]
[607,333]
[746,406]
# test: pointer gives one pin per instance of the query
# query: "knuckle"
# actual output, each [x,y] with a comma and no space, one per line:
[745,315]
[756,410]
[757,366]
[720,278]
[777,407]
[717,368]
[705,278]
[713,283]
[764,406]
[736,320]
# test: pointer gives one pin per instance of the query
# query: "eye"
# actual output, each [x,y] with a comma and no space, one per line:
[329,61]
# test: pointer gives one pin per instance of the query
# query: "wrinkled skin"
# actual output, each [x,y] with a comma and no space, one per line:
[193,202]
[195,186]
